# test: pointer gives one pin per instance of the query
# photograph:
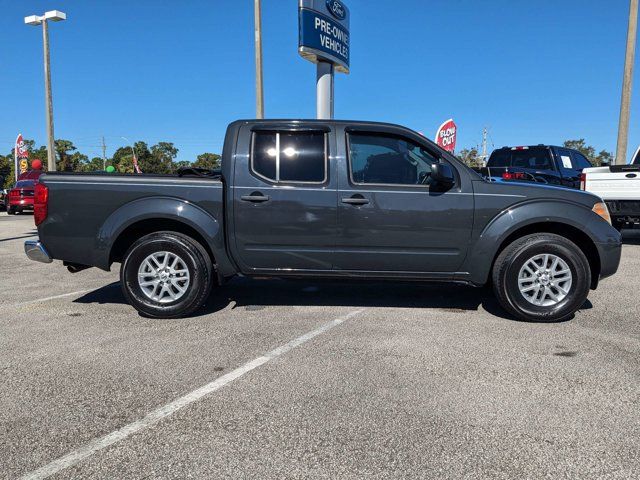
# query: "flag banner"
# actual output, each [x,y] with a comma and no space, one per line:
[135,164]
[21,157]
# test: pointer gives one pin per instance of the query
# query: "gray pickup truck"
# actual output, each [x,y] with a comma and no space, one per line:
[340,199]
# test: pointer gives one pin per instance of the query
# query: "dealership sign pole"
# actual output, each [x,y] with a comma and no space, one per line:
[446,135]
[323,38]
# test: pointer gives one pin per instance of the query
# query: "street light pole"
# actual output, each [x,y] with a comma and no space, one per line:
[54,16]
[627,79]
[51,157]
[258,49]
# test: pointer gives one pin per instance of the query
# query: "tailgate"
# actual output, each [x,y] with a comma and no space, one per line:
[620,182]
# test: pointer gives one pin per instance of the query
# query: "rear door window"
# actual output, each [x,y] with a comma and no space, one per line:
[298,157]
[579,161]
[565,159]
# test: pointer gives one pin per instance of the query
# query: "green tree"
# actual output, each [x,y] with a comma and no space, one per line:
[208,160]
[604,157]
[589,152]
[122,159]
[181,164]
[161,159]
[96,164]
[580,145]
[6,170]
[76,161]
[63,150]
[470,157]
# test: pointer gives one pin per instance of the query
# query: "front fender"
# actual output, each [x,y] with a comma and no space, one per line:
[157,208]
[519,216]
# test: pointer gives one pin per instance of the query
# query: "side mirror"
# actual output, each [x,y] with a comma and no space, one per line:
[442,174]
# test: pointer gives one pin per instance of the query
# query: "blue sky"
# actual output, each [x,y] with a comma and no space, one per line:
[534,72]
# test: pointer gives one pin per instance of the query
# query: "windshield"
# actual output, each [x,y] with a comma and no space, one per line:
[25,184]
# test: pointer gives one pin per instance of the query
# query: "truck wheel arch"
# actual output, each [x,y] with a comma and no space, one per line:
[570,232]
[527,218]
[152,214]
[150,225]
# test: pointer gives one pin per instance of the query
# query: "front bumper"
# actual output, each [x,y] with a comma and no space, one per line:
[610,254]
[36,251]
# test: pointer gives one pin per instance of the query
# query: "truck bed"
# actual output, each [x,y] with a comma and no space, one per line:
[85,210]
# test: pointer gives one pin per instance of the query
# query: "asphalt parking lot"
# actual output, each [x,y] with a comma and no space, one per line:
[279,379]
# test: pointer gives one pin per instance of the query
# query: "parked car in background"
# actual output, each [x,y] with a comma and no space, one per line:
[318,199]
[545,164]
[20,197]
[619,187]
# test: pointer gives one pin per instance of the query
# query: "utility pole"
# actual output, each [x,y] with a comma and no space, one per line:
[258,52]
[627,79]
[484,145]
[43,20]
[104,155]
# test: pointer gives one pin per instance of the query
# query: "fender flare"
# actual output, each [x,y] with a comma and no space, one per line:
[483,252]
[160,208]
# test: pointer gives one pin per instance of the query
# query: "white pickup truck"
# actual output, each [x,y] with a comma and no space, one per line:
[619,187]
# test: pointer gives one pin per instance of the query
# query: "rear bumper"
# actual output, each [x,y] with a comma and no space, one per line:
[24,204]
[35,251]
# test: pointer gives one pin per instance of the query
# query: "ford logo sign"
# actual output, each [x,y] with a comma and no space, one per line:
[337,9]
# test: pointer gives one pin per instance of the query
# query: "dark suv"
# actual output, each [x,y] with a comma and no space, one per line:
[546,164]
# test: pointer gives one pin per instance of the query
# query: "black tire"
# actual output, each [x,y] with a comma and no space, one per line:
[510,261]
[192,254]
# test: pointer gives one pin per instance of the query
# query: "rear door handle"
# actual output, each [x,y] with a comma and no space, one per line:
[256,197]
[355,201]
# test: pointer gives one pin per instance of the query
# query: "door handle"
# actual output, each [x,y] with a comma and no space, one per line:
[255,197]
[355,201]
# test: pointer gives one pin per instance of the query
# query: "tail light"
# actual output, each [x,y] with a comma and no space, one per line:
[40,203]
[513,176]
[583,181]
[14,193]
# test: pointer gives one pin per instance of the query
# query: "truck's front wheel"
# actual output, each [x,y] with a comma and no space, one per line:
[166,275]
[542,278]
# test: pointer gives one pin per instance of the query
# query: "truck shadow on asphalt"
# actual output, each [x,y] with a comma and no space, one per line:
[33,233]
[257,294]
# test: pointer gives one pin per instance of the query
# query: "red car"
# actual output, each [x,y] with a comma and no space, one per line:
[20,197]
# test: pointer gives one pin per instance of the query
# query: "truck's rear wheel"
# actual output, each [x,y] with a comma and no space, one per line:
[166,275]
[542,278]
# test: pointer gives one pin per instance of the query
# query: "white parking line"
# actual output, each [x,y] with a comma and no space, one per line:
[164,411]
[46,299]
